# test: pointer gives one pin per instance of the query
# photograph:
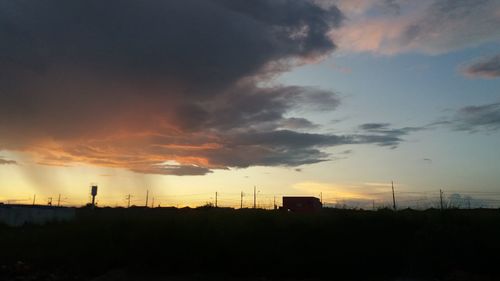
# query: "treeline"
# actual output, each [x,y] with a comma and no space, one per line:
[332,244]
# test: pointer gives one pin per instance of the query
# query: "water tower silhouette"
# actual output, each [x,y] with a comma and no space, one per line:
[93,192]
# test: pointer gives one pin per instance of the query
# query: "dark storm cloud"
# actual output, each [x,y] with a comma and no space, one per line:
[250,107]
[477,118]
[487,68]
[157,55]
[165,87]
[197,42]
[133,84]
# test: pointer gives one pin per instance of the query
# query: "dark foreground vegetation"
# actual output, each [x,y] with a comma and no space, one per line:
[226,244]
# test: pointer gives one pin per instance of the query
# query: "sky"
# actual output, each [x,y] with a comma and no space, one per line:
[183,99]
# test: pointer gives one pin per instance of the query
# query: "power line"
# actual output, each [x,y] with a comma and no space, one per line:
[411,199]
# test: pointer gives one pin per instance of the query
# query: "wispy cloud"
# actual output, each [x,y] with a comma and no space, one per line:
[477,118]
[485,68]
[386,135]
[427,160]
[4,161]
[473,119]
[427,26]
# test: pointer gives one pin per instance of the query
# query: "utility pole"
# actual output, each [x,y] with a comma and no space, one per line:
[254,197]
[59,200]
[441,198]
[147,197]
[34,199]
[128,198]
[241,200]
[321,198]
[274,204]
[216,199]
[153,203]
[393,197]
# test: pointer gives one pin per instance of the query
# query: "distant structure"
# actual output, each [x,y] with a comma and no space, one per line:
[301,204]
[93,192]
[18,215]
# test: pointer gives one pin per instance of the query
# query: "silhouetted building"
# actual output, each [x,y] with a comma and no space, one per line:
[18,215]
[301,203]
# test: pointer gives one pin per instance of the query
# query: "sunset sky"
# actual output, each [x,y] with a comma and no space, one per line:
[186,98]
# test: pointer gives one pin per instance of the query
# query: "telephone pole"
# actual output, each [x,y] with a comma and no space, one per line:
[241,200]
[59,200]
[393,197]
[216,199]
[321,198]
[153,203]
[147,197]
[34,199]
[128,199]
[441,199]
[254,197]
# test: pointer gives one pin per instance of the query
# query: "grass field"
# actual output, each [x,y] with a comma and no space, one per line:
[211,242]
